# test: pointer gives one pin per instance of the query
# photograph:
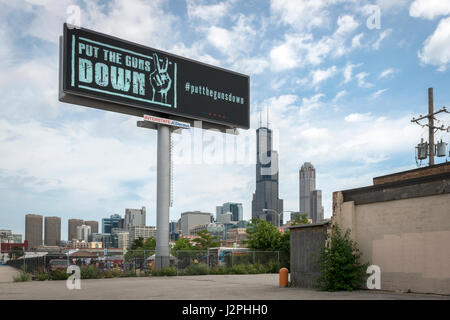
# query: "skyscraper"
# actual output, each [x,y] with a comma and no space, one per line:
[73,224]
[83,232]
[266,194]
[235,209]
[310,199]
[52,235]
[33,230]
[316,205]
[134,217]
[114,221]
[93,224]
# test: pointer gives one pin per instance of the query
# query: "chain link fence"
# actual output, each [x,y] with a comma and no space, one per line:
[142,262]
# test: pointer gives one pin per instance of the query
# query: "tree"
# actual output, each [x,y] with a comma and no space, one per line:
[139,247]
[205,240]
[339,263]
[137,243]
[182,244]
[15,252]
[263,235]
[150,244]
[300,219]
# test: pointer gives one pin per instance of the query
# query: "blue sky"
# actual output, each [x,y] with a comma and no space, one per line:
[341,95]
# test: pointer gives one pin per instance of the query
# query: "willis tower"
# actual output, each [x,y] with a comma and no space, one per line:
[266,194]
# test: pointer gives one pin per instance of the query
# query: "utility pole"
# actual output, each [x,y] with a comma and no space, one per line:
[430,125]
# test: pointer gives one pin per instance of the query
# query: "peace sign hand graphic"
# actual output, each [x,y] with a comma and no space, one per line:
[160,79]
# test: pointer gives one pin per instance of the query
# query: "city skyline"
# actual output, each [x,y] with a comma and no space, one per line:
[341,95]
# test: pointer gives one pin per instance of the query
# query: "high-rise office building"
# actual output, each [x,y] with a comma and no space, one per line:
[236,210]
[266,194]
[316,206]
[134,217]
[173,234]
[310,199]
[114,221]
[73,224]
[193,218]
[52,235]
[83,232]
[143,232]
[33,230]
[93,225]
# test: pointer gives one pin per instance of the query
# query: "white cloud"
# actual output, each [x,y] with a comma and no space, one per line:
[300,49]
[384,34]
[321,75]
[348,71]
[346,24]
[254,65]
[196,51]
[301,14]
[436,48]
[134,20]
[358,117]
[356,41]
[362,80]
[389,5]
[429,9]
[339,95]
[233,41]
[378,93]
[310,104]
[387,73]
[212,13]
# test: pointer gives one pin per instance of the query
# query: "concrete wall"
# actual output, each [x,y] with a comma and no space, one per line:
[306,243]
[407,238]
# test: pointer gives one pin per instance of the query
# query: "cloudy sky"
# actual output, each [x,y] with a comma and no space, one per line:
[341,91]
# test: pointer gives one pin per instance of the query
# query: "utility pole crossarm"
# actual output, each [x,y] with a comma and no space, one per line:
[431,127]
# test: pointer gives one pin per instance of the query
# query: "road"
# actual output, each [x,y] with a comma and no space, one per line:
[226,287]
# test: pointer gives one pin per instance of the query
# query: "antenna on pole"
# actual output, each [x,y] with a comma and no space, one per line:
[268,117]
[260,118]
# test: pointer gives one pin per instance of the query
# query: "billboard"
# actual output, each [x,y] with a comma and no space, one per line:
[105,72]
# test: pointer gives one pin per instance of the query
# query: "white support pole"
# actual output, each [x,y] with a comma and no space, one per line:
[162,195]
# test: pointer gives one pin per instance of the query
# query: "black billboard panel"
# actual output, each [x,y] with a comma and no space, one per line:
[104,68]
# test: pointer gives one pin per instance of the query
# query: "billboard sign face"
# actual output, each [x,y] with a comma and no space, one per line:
[98,67]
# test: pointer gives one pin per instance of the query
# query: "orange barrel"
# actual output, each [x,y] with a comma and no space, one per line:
[284,277]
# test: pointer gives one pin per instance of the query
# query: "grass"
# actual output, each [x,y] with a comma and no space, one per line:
[22,277]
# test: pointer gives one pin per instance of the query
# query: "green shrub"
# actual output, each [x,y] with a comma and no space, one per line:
[273,267]
[239,269]
[42,276]
[59,274]
[22,277]
[108,274]
[252,269]
[196,269]
[126,274]
[339,264]
[167,271]
[90,272]
[219,270]
[115,273]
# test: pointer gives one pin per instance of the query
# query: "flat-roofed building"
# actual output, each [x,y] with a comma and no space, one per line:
[72,232]
[33,230]
[143,232]
[190,219]
[52,235]
[93,224]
